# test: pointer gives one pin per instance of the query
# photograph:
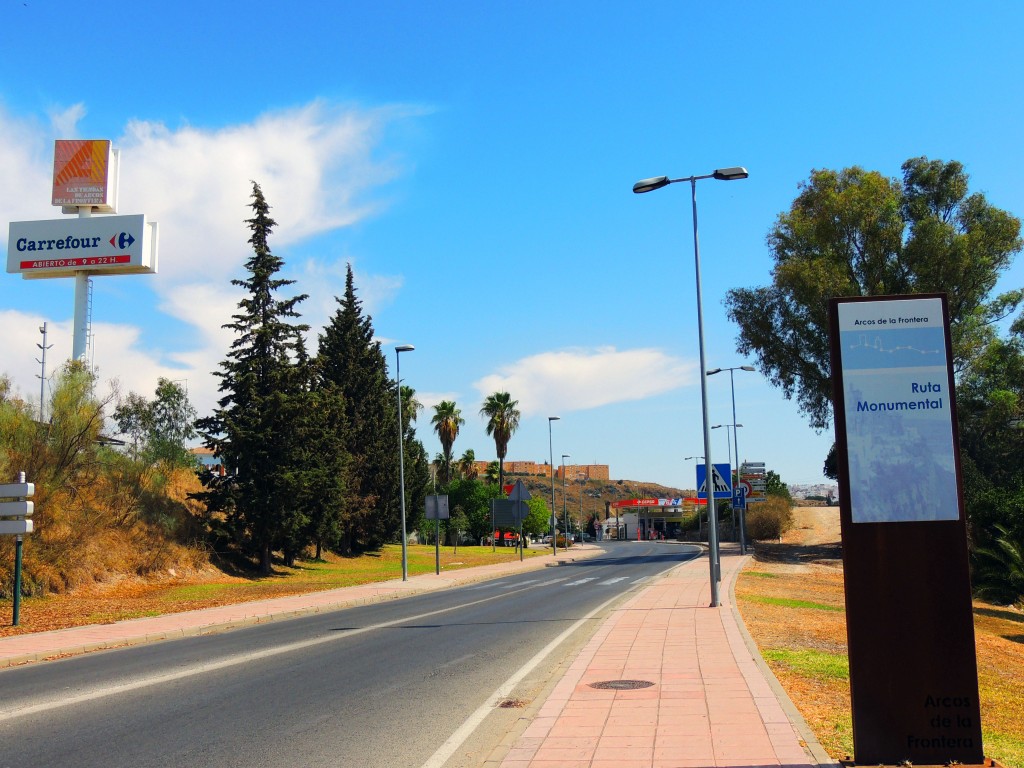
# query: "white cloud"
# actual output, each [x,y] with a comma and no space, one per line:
[579,379]
[65,121]
[315,165]
[321,167]
[119,358]
[324,282]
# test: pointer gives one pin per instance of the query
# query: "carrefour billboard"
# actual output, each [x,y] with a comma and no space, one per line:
[98,245]
[85,175]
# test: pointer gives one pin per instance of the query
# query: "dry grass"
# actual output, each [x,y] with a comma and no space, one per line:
[791,599]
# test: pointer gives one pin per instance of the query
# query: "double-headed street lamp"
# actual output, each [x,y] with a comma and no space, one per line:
[551,458]
[736,442]
[648,185]
[401,455]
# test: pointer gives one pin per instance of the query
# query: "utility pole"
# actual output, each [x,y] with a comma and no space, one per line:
[42,377]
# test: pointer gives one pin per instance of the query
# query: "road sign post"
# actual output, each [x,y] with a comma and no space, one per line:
[15,520]
[519,496]
[437,509]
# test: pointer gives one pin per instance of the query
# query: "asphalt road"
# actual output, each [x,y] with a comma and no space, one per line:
[378,685]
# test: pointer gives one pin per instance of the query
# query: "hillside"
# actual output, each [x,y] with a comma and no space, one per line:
[595,493]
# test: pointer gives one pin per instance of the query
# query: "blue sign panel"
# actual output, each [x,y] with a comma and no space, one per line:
[722,481]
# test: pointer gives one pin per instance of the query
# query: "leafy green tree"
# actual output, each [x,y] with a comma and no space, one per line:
[773,486]
[473,497]
[254,428]
[173,424]
[990,410]
[858,233]
[447,419]
[502,422]
[351,361]
[159,430]
[134,417]
[537,521]
[62,456]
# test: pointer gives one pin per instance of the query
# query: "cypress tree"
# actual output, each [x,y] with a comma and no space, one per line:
[352,366]
[254,428]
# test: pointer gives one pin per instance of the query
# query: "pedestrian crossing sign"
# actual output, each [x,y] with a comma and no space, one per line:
[721,478]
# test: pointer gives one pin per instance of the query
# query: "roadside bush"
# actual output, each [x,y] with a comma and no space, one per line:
[769,519]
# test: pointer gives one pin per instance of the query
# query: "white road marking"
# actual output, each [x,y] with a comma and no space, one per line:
[457,739]
[580,581]
[225,663]
[616,580]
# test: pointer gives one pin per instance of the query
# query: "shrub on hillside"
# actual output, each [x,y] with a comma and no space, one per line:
[769,519]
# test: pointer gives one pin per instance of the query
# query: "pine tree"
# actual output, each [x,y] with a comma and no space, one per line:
[351,363]
[253,429]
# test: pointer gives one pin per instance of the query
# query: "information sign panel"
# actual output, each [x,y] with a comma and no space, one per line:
[910,626]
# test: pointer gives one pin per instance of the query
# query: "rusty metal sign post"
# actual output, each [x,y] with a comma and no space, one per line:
[910,626]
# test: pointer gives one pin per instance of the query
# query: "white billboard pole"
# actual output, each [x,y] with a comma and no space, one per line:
[80,344]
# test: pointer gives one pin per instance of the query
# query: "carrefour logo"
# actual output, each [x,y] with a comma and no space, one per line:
[122,240]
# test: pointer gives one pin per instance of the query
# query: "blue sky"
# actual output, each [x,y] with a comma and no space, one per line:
[474,161]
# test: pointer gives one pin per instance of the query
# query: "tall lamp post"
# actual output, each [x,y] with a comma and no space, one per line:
[551,458]
[649,185]
[401,455]
[565,516]
[582,479]
[736,443]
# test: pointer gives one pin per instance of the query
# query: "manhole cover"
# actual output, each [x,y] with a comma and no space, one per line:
[622,685]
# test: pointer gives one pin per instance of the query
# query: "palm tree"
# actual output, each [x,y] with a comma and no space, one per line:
[467,464]
[502,422]
[411,407]
[446,420]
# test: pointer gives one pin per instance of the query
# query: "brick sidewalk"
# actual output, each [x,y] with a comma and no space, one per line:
[711,702]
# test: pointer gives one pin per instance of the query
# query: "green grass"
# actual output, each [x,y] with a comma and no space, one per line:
[382,565]
[196,591]
[1009,751]
[787,602]
[761,574]
[814,664]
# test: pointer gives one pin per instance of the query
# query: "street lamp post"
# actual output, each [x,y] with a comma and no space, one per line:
[401,455]
[565,516]
[648,185]
[551,458]
[736,443]
[583,481]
